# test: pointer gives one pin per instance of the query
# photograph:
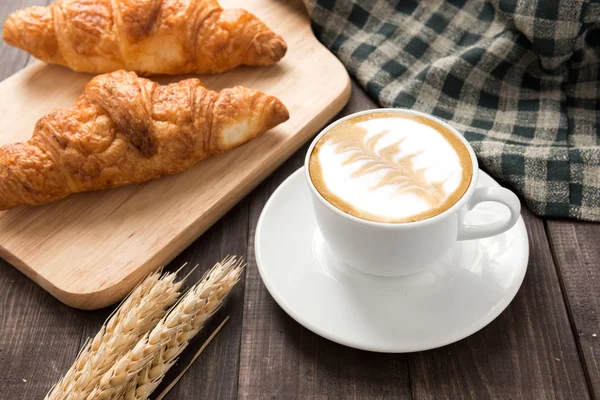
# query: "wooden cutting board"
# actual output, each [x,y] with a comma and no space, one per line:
[90,249]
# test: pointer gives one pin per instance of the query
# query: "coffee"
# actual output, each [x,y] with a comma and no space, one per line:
[391,167]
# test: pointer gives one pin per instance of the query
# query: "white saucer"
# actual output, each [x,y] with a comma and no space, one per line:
[452,300]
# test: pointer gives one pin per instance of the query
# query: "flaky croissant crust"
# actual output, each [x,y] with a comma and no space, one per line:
[125,129]
[146,36]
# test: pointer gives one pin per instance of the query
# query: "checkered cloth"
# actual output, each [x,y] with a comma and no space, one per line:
[520,79]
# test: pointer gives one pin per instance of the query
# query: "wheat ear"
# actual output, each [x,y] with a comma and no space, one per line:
[137,314]
[140,371]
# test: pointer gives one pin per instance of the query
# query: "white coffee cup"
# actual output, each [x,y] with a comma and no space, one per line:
[395,249]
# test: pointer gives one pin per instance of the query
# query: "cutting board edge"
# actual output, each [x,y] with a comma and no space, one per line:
[106,296]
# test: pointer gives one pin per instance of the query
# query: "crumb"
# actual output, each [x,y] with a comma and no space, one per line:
[24,380]
[594,335]
[557,359]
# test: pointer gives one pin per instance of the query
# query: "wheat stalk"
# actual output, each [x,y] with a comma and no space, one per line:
[140,371]
[137,314]
[178,377]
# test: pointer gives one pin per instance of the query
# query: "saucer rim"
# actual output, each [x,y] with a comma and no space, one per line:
[461,334]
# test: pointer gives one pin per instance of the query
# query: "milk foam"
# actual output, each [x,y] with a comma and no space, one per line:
[396,168]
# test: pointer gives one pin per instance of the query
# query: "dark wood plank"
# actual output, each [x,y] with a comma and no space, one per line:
[215,373]
[269,354]
[281,359]
[576,248]
[528,352]
[11,58]
[39,336]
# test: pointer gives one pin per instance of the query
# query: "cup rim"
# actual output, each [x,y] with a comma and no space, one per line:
[395,225]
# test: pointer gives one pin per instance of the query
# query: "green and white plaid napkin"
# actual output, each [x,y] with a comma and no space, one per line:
[520,79]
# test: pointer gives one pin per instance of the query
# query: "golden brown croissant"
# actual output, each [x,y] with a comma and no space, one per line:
[125,129]
[146,36]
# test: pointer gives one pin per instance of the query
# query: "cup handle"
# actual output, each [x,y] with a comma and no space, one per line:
[497,194]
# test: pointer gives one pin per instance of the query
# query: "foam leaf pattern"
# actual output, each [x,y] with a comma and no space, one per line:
[399,172]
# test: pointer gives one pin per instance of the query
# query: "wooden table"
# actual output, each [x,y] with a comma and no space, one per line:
[545,345]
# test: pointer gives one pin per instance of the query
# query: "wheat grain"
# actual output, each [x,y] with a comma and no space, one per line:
[140,371]
[137,314]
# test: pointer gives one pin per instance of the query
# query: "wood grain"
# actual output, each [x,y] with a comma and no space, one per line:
[528,352]
[40,336]
[90,249]
[576,247]
[219,362]
[227,236]
[281,359]
[263,353]
[12,58]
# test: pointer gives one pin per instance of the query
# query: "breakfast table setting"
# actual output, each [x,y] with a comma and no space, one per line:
[307,199]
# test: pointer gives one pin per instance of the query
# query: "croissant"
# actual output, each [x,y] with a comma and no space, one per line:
[125,129]
[146,36]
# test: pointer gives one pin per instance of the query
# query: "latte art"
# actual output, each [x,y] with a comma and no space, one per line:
[390,167]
